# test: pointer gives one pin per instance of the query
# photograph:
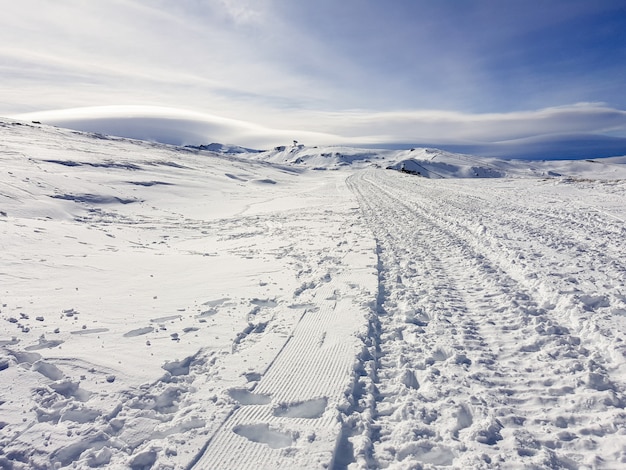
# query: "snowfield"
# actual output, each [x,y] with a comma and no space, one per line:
[176,308]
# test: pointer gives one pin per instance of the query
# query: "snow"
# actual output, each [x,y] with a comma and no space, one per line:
[171,307]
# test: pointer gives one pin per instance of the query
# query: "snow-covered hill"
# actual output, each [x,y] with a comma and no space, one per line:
[171,307]
[430,163]
[434,163]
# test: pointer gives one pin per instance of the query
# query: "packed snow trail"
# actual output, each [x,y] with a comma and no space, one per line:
[499,340]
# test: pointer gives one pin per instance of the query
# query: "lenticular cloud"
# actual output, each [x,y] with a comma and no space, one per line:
[171,126]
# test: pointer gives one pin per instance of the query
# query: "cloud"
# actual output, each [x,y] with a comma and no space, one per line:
[456,127]
[586,126]
[215,56]
[242,12]
[552,147]
[260,60]
[173,126]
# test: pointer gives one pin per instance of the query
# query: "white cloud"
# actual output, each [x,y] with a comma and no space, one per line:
[177,126]
[188,54]
[242,12]
[173,126]
[455,127]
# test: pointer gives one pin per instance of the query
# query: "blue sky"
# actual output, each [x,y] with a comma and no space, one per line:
[481,74]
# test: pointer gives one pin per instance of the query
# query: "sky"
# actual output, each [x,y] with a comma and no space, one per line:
[487,75]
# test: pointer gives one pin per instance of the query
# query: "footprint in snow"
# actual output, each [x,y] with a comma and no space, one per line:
[264,302]
[166,318]
[309,409]
[263,434]
[245,397]
[48,370]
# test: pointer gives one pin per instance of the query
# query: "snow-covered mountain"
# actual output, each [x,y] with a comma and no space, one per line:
[223,148]
[175,307]
[429,163]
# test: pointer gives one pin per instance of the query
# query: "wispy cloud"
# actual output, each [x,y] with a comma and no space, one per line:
[242,12]
[183,54]
[451,127]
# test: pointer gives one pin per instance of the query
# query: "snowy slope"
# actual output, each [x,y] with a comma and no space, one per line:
[146,289]
[168,307]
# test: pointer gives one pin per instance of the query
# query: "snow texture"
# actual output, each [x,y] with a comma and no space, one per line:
[177,308]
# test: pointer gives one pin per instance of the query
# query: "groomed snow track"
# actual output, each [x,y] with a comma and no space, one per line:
[291,414]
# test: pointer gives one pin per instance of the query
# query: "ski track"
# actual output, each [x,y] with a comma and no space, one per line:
[493,348]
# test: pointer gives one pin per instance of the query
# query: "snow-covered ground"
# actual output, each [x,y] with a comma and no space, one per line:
[164,307]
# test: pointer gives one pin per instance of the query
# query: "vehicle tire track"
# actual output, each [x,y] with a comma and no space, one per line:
[566,263]
[474,371]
